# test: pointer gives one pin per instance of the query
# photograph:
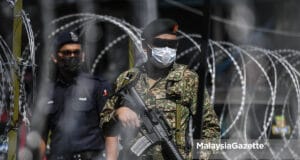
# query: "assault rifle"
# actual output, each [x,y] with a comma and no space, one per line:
[154,127]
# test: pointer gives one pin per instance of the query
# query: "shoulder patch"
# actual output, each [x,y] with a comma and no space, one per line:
[105,93]
[126,78]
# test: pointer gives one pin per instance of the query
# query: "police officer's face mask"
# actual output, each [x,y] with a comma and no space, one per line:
[69,61]
[70,64]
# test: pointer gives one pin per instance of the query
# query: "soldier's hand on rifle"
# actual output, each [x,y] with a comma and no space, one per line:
[127,117]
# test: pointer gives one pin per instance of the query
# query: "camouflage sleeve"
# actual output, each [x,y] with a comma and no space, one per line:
[210,128]
[107,115]
[108,111]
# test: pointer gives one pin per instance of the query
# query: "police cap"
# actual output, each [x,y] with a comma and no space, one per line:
[65,38]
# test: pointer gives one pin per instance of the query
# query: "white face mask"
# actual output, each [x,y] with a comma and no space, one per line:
[163,57]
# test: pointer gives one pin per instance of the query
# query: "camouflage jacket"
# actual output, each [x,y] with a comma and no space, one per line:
[176,99]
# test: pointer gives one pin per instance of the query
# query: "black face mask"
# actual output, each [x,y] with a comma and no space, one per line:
[69,65]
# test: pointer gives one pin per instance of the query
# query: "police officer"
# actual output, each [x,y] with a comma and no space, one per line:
[73,105]
[164,85]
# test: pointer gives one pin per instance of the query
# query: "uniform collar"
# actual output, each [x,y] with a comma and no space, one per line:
[175,73]
[66,83]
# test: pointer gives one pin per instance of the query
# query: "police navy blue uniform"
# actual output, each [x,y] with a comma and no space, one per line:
[73,116]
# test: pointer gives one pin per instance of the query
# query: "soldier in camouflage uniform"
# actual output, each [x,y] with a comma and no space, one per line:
[162,84]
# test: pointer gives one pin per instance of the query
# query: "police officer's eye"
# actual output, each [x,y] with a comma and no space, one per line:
[69,52]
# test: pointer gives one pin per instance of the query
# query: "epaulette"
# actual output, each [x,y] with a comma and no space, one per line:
[177,72]
[127,78]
